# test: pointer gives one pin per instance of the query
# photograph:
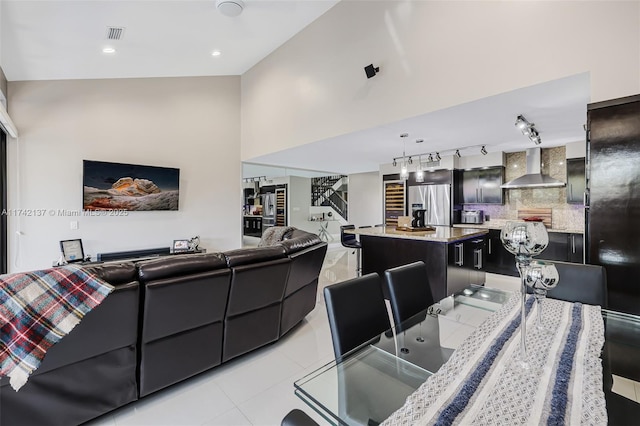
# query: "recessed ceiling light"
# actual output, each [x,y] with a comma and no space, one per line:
[108,50]
[216,53]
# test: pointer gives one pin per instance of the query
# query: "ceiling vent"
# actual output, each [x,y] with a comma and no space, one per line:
[115,33]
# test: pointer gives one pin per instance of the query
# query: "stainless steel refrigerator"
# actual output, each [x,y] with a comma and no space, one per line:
[435,199]
[268,210]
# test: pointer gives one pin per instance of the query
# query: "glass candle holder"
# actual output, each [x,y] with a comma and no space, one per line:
[524,240]
[541,277]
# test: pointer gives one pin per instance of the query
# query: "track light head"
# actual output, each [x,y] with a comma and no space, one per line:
[483,150]
[395,163]
[457,154]
[438,158]
[410,160]
[430,159]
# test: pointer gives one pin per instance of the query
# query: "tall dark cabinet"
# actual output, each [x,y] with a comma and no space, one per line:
[576,184]
[613,202]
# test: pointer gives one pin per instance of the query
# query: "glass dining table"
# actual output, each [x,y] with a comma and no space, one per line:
[372,381]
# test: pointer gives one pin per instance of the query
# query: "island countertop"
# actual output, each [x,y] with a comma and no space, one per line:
[499,224]
[441,234]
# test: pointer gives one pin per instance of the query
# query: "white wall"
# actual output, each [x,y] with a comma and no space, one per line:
[299,197]
[365,199]
[189,123]
[431,55]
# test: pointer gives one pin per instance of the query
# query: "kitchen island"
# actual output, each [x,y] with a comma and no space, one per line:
[454,256]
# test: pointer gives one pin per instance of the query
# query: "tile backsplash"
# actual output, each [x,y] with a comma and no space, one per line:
[564,216]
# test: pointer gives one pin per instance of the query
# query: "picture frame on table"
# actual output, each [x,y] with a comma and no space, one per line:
[180,245]
[72,250]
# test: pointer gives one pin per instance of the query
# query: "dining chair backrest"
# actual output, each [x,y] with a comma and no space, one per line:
[408,289]
[357,312]
[297,417]
[348,240]
[580,283]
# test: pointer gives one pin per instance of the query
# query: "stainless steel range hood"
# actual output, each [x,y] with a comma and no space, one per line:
[534,177]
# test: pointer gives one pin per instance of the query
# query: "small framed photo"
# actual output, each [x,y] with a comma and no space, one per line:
[72,250]
[180,245]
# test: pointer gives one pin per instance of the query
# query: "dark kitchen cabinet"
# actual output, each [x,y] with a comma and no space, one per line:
[482,186]
[576,248]
[466,264]
[498,259]
[564,247]
[558,248]
[575,180]
[252,226]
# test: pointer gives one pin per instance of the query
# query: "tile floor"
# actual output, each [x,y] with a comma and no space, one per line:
[257,388]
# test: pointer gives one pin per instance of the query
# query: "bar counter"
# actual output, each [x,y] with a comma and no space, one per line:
[441,250]
[441,234]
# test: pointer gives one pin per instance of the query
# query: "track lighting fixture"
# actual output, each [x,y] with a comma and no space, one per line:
[410,160]
[394,163]
[528,129]
[457,154]
[483,150]
[430,159]
[438,158]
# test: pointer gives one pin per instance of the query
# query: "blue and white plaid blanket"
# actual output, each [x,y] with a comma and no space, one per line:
[480,385]
[39,308]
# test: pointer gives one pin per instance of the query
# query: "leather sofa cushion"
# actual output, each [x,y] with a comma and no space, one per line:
[253,255]
[257,285]
[179,265]
[73,394]
[178,304]
[300,240]
[305,267]
[178,357]
[114,273]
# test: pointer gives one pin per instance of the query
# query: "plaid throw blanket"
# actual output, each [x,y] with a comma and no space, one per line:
[39,308]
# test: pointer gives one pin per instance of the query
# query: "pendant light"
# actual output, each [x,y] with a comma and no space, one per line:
[404,169]
[419,171]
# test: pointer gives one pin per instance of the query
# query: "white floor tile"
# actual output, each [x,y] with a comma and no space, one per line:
[250,377]
[270,406]
[193,402]
[105,420]
[310,341]
[232,417]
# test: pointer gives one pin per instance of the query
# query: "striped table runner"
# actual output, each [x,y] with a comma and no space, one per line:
[479,384]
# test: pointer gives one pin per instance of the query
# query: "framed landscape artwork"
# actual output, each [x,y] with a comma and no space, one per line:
[119,186]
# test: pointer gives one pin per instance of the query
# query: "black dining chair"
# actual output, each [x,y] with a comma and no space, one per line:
[408,289]
[350,241]
[580,283]
[357,312]
[297,417]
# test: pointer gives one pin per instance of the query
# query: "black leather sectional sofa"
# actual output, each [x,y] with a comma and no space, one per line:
[167,320]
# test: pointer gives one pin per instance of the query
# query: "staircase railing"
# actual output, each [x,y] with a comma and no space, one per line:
[323,194]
